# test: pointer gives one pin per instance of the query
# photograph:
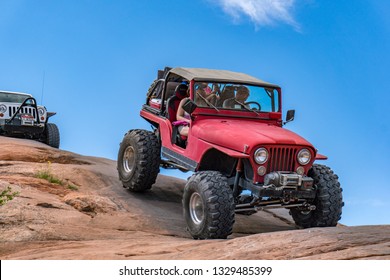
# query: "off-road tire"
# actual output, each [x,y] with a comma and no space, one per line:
[151,87]
[139,160]
[328,201]
[51,135]
[214,218]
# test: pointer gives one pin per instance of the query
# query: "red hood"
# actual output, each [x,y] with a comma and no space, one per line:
[235,134]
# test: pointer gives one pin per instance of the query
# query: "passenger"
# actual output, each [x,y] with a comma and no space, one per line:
[216,90]
[241,97]
[206,88]
[204,92]
[183,118]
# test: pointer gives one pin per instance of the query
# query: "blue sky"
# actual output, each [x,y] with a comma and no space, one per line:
[94,61]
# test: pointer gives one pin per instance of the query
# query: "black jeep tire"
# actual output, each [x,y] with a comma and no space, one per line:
[139,160]
[208,205]
[51,135]
[328,201]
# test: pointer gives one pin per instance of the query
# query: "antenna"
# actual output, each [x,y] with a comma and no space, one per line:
[43,86]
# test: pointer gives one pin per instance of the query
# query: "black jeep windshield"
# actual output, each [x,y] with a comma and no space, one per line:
[236,97]
[12,97]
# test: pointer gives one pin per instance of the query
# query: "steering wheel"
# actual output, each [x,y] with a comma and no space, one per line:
[254,102]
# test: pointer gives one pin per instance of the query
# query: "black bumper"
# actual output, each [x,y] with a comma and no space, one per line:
[278,192]
[22,129]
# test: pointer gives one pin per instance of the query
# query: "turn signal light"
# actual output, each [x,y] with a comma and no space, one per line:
[261,170]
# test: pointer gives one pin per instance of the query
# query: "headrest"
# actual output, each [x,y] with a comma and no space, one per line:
[181,91]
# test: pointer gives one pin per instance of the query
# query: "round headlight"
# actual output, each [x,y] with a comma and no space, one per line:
[304,156]
[41,111]
[261,155]
[3,108]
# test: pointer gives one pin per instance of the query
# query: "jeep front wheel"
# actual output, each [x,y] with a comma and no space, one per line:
[208,205]
[139,160]
[51,135]
[328,200]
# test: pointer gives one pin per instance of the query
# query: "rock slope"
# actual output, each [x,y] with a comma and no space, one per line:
[89,215]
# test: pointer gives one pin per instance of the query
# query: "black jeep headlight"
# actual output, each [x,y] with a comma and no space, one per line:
[304,156]
[260,155]
[3,108]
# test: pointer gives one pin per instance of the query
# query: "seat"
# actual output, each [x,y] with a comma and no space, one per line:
[172,107]
[170,90]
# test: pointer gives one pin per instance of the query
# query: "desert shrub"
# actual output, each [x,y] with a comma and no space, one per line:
[7,195]
[48,175]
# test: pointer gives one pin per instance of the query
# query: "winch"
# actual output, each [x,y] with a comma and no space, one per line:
[287,180]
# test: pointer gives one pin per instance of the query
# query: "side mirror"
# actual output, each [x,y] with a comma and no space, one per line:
[290,116]
[189,106]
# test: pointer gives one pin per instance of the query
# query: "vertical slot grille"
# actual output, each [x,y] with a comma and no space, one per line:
[25,110]
[281,159]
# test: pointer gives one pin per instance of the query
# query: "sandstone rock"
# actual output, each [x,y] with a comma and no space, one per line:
[101,220]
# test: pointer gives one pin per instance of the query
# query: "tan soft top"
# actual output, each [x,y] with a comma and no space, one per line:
[202,74]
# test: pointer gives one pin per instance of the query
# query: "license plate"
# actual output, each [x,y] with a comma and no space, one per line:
[27,120]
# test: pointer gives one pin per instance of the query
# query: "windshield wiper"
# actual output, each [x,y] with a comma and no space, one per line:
[243,105]
[207,102]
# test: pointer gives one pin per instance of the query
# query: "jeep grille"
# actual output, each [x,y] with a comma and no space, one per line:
[281,159]
[23,110]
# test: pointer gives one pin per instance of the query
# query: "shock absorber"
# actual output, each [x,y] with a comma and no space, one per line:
[237,178]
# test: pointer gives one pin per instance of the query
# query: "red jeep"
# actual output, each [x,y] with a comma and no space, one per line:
[243,160]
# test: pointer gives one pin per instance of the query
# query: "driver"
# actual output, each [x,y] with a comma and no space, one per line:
[241,97]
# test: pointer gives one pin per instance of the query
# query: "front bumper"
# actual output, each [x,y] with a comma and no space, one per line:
[283,185]
[22,129]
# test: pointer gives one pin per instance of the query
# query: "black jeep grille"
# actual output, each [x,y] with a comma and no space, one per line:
[281,159]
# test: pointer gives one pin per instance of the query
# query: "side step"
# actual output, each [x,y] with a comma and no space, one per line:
[169,164]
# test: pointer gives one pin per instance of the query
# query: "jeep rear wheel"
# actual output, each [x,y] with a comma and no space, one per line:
[328,201]
[139,160]
[208,206]
[51,136]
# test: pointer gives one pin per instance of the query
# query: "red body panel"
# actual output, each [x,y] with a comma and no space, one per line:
[240,136]
[321,157]
[240,133]
[195,148]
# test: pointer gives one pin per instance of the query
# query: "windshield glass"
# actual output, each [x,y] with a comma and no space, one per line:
[236,97]
[13,97]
